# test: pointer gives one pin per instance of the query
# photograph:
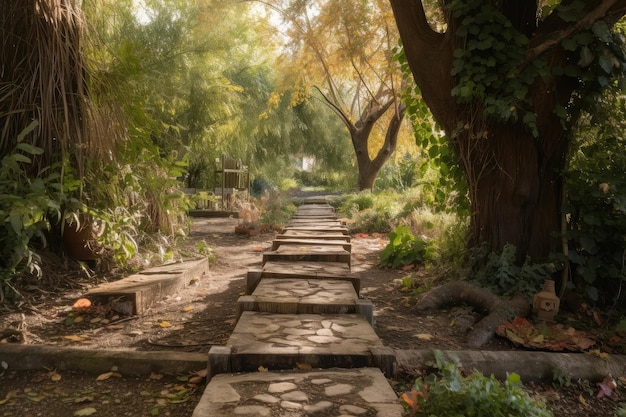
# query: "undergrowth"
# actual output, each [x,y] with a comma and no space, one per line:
[448,392]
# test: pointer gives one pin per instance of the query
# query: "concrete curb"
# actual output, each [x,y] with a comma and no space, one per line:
[531,366]
[127,362]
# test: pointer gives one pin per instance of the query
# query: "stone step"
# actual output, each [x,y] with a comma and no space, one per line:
[296,243]
[334,392]
[312,234]
[303,296]
[290,341]
[314,222]
[307,253]
[303,270]
[316,228]
[136,293]
[319,217]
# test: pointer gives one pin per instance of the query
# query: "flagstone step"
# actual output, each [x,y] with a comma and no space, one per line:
[303,296]
[288,341]
[312,234]
[136,293]
[303,270]
[316,228]
[315,222]
[307,253]
[306,242]
[335,392]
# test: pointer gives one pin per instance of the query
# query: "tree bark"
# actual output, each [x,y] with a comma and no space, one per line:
[368,167]
[514,178]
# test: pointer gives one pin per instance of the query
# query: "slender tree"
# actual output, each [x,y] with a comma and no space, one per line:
[341,53]
[507,80]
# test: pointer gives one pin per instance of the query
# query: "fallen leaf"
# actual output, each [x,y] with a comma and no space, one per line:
[115,327]
[304,367]
[424,336]
[203,373]
[85,411]
[165,324]
[599,354]
[85,399]
[262,369]
[78,319]
[55,377]
[82,304]
[104,376]
[583,401]
[154,411]
[408,267]
[182,378]
[607,387]
[95,320]
[74,338]
[195,379]
[155,376]
[188,308]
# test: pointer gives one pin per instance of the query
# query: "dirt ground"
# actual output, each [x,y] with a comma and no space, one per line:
[203,315]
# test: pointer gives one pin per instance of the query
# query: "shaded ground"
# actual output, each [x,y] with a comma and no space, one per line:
[203,315]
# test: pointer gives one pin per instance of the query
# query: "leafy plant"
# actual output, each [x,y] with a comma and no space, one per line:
[27,208]
[276,209]
[448,393]
[501,273]
[405,249]
[597,203]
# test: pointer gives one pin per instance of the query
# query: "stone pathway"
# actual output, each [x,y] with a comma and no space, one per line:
[304,343]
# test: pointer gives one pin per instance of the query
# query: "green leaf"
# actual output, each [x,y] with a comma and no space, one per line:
[514,379]
[18,157]
[601,30]
[606,64]
[586,57]
[27,130]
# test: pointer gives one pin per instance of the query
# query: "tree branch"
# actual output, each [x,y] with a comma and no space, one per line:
[615,8]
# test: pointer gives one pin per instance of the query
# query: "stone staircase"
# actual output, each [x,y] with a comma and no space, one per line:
[304,343]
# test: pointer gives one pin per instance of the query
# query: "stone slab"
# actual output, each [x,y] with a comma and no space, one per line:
[310,221]
[302,270]
[127,362]
[286,341]
[312,234]
[136,293]
[307,253]
[336,392]
[302,296]
[316,228]
[318,242]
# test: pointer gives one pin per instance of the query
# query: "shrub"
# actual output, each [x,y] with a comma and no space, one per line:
[405,249]
[449,393]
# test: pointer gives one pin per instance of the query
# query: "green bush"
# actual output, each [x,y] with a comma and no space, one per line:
[405,249]
[501,273]
[27,208]
[448,393]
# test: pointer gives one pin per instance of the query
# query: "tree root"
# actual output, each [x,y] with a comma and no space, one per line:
[461,292]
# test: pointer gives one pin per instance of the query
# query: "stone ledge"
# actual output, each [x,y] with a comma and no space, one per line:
[127,362]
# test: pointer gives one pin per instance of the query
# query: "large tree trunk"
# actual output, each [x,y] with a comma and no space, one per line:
[515,188]
[513,176]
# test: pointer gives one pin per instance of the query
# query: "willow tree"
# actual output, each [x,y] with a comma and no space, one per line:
[341,52]
[507,81]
